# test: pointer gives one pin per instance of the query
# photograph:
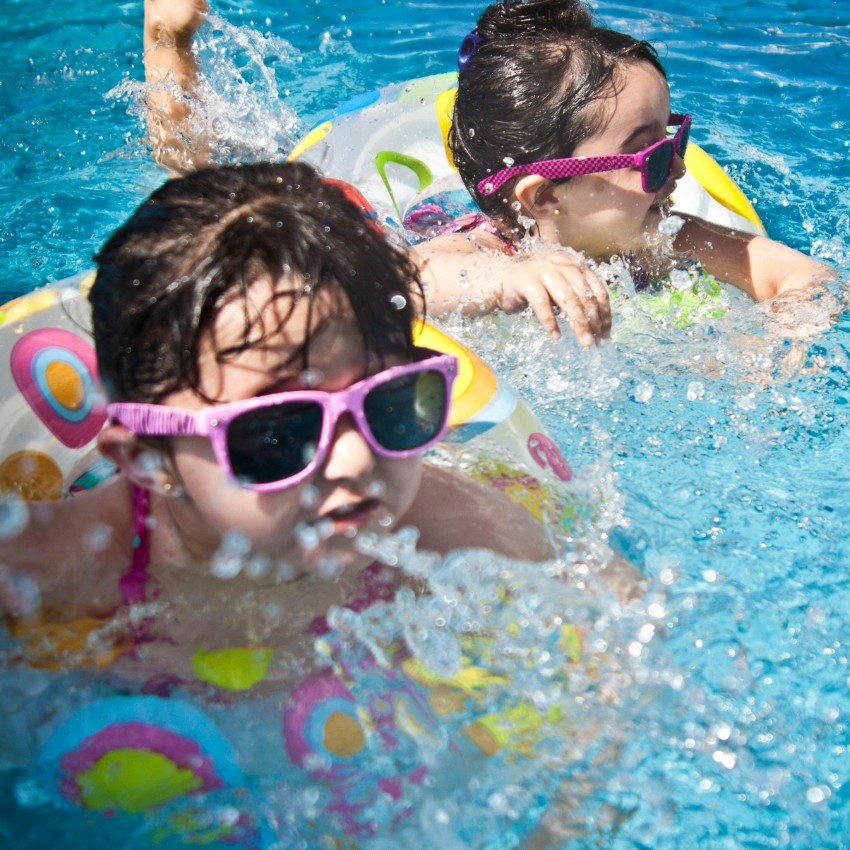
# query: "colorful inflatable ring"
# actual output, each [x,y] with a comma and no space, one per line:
[393,145]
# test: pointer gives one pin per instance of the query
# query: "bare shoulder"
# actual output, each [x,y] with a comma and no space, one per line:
[452,511]
[75,549]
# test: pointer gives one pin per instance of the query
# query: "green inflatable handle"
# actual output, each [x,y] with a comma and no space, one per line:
[419,168]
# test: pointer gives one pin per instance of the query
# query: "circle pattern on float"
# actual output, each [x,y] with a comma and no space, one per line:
[55,371]
[64,382]
[31,476]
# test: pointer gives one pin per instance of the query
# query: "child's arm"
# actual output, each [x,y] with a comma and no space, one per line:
[456,512]
[168,30]
[72,553]
[761,267]
[457,274]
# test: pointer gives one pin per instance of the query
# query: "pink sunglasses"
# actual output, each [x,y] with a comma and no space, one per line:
[272,442]
[655,162]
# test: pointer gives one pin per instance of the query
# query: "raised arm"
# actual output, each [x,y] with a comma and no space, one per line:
[761,267]
[477,278]
[169,60]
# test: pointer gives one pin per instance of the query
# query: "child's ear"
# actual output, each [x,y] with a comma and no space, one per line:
[537,196]
[143,465]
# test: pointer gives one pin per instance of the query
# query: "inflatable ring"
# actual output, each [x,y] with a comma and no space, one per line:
[392,144]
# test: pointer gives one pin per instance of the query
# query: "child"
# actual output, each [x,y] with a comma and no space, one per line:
[543,90]
[253,335]
[540,84]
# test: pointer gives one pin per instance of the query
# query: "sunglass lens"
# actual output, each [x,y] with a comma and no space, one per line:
[407,412]
[657,166]
[684,139]
[275,442]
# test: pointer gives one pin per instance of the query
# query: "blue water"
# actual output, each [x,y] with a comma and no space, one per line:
[728,441]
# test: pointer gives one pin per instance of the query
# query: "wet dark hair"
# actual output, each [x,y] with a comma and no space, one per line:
[199,242]
[528,90]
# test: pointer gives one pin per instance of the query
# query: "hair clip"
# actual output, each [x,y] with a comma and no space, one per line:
[467,49]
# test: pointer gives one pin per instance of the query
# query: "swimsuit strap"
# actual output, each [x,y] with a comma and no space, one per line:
[132,583]
[640,276]
[471,221]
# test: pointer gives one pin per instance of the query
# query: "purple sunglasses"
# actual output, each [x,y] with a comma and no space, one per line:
[655,162]
[272,442]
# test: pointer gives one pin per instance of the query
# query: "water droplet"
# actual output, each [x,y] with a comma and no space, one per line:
[376,489]
[14,516]
[398,301]
[681,280]
[386,521]
[667,576]
[472,132]
[516,206]
[509,161]
[311,377]
[818,793]
[488,188]
[696,391]
[21,596]
[306,536]
[330,566]
[309,497]
[643,392]
[308,453]
[325,528]
[285,572]
[98,537]
[670,226]
[229,558]
[258,566]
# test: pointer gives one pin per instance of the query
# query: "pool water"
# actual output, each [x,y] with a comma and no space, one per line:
[720,708]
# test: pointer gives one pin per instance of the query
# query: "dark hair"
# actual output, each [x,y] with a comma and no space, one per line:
[527,92]
[200,241]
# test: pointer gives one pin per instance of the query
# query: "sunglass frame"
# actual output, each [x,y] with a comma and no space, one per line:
[158,420]
[575,166]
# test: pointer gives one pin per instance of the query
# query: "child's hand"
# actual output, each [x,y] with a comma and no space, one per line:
[177,20]
[561,280]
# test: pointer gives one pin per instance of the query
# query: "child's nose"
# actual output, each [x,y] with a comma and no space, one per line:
[679,167]
[349,455]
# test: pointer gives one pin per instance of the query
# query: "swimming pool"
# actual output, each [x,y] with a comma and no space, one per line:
[728,440]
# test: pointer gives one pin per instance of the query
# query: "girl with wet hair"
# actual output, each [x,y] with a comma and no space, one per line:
[562,131]
[254,338]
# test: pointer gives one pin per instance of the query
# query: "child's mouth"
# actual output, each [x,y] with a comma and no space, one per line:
[355,515]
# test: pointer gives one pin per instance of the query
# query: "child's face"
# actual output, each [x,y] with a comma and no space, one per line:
[604,214]
[353,490]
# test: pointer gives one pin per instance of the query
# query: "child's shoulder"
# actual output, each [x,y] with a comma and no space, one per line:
[454,511]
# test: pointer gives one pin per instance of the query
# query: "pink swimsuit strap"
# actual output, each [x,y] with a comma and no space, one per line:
[132,583]
[472,221]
